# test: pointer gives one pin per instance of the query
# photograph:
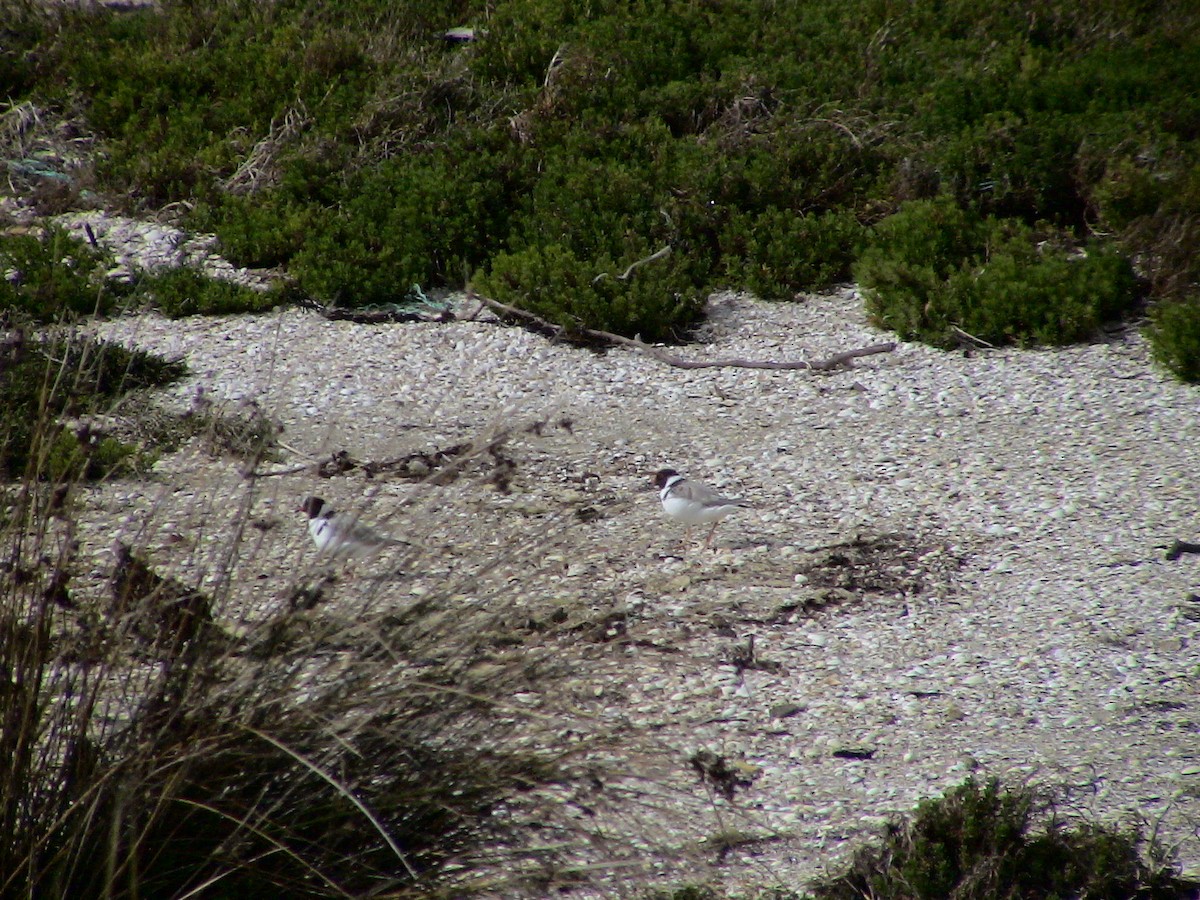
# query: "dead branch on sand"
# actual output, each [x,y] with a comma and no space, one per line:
[823,365]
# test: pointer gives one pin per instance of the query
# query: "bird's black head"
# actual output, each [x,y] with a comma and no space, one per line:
[312,506]
[663,476]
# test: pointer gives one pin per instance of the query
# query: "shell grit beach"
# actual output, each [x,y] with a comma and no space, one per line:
[954,567]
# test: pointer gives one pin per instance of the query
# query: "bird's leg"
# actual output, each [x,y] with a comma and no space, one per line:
[711,532]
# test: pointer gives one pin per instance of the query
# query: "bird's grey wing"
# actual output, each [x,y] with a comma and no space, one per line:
[367,535]
[692,490]
[349,528]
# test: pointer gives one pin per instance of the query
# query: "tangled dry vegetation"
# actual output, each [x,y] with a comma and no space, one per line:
[163,744]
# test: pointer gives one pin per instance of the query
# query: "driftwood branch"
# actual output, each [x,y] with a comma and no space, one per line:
[970,338]
[275,473]
[670,359]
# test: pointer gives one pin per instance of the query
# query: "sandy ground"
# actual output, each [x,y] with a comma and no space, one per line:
[953,566]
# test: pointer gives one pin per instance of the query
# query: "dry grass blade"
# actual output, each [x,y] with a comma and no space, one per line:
[260,168]
[279,847]
[15,123]
[341,789]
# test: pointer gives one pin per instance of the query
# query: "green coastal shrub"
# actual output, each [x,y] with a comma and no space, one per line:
[1175,337]
[1145,190]
[778,253]
[186,292]
[933,268]
[592,197]
[979,842]
[261,231]
[47,276]
[364,153]
[420,219]
[658,299]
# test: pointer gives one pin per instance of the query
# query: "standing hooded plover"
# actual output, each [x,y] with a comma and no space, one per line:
[692,503]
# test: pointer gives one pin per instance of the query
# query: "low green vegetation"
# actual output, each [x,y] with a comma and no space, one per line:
[53,277]
[49,391]
[603,293]
[768,145]
[939,273]
[1175,336]
[985,841]
[979,842]
[186,292]
[46,276]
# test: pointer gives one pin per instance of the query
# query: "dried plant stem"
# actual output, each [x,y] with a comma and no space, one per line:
[824,365]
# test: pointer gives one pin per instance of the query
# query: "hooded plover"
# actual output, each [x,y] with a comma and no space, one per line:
[692,503]
[341,534]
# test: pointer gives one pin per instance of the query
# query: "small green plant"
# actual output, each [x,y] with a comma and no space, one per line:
[978,842]
[656,299]
[48,276]
[1175,337]
[936,272]
[186,292]
[84,455]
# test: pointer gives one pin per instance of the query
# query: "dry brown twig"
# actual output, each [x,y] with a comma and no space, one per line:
[259,167]
[624,276]
[970,338]
[824,365]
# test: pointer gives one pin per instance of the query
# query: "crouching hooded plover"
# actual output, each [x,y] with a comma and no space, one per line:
[692,503]
[341,534]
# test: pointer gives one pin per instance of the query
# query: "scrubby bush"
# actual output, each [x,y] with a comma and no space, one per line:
[1175,337]
[595,194]
[934,270]
[777,253]
[175,93]
[186,292]
[365,154]
[421,219]
[979,843]
[48,276]
[262,231]
[655,299]
[1146,190]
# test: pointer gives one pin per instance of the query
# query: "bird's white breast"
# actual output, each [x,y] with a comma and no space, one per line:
[326,536]
[694,512]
